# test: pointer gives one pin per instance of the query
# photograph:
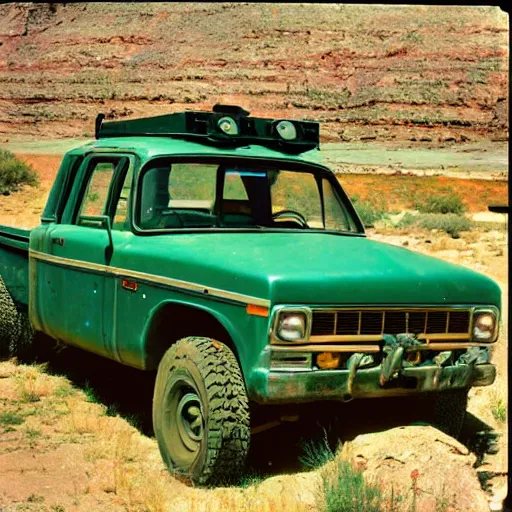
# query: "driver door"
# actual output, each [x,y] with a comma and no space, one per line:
[76,273]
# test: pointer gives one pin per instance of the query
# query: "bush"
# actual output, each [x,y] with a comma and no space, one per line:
[346,490]
[344,487]
[448,222]
[316,454]
[407,220]
[441,204]
[15,173]
[369,212]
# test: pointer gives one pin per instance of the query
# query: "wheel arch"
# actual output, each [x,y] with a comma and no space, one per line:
[161,330]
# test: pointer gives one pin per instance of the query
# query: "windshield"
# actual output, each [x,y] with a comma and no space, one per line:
[195,195]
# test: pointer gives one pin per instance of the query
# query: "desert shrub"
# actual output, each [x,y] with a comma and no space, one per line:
[448,222]
[451,203]
[10,418]
[498,407]
[316,454]
[369,211]
[346,489]
[407,220]
[14,173]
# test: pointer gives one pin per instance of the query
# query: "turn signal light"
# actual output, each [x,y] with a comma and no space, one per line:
[252,309]
[328,360]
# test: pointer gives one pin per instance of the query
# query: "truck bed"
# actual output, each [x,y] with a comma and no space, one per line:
[14,243]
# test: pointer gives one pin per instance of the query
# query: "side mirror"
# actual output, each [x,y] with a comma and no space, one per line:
[102,222]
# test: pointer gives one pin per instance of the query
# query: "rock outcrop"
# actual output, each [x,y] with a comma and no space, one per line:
[421,464]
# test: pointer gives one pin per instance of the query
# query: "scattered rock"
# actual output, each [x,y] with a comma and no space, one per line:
[449,254]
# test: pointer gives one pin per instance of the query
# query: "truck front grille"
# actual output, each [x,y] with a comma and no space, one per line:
[345,322]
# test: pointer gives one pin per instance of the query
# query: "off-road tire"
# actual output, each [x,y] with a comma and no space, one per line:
[207,370]
[16,332]
[449,411]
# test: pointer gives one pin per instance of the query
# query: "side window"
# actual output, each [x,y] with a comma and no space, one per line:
[120,221]
[96,195]
[180,195]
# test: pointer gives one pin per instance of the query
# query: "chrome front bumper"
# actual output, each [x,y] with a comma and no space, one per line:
[267,387]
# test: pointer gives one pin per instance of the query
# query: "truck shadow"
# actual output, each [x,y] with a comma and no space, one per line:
[128,392]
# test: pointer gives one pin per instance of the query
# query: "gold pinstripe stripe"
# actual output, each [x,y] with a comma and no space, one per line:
[176,283]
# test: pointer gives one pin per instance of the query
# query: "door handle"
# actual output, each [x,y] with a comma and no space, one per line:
[58,241]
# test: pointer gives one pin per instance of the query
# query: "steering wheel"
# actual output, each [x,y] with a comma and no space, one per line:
[294,215]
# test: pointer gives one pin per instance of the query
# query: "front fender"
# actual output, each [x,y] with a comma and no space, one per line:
[222,318]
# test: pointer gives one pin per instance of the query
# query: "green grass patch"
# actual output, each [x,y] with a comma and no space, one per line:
[499,409]
[14,173]
[250,480]
[90,394]
[370,211]
[29,396]
[450,223]
[10,418]
[328,98]
[316,454]
[64,391]
[442,203]
[345,489]
[32,436]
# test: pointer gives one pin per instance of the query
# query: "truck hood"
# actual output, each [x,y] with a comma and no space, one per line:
[310,268]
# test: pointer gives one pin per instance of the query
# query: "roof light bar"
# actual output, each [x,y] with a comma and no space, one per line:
[227,125]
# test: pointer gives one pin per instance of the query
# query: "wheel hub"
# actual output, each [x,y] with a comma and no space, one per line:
[190,421]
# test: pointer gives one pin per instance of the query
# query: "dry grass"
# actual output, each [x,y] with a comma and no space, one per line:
[33,383]
[116,462]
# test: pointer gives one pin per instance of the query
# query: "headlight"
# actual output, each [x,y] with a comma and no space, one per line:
[485,326]
[292,324]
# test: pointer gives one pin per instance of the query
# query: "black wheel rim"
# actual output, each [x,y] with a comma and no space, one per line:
[184,422]
[190,420]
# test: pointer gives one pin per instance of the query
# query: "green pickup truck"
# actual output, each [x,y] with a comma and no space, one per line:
[214,248]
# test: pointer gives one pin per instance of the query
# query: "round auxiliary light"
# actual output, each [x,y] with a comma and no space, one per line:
[228,125]
[286,130]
